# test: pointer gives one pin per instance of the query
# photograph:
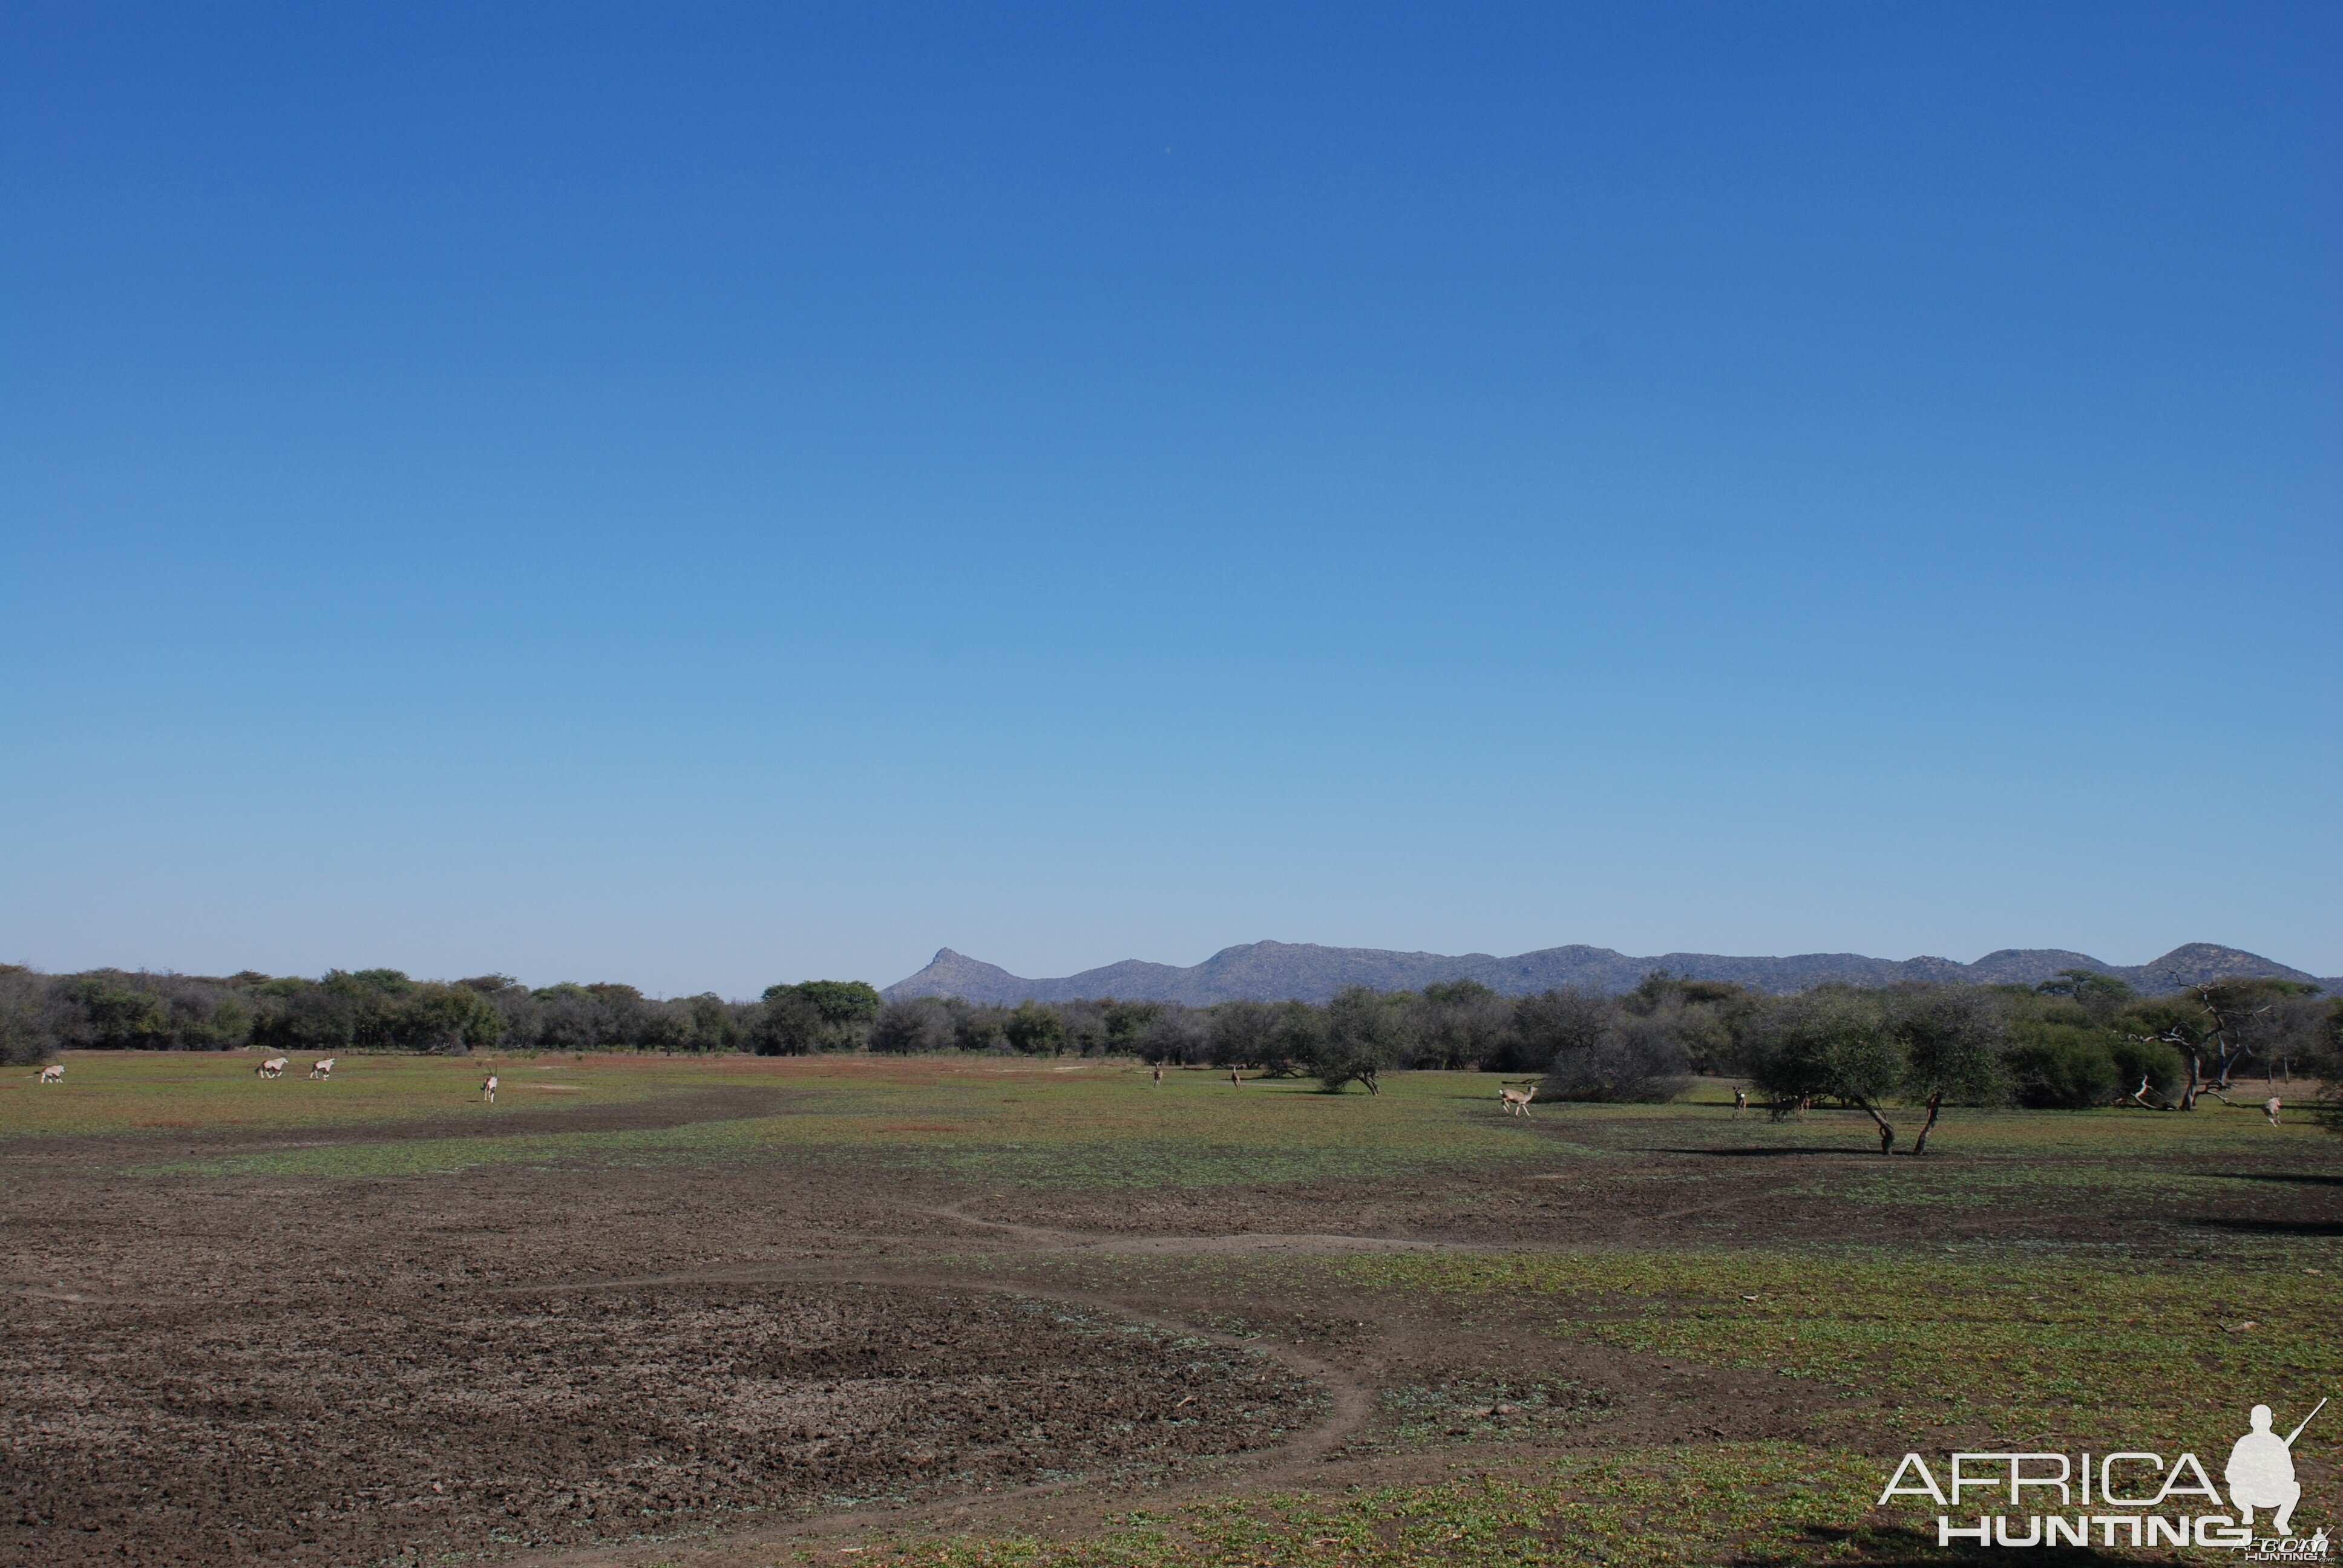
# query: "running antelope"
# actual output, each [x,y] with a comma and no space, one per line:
[1517,1101]
[273,1068]
[488,1088]
[54,1073]
[322,1069]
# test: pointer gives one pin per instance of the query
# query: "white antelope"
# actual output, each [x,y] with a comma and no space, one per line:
[322,1069]
[54,1073]
[1517,1101]
[2269,1108]
[273,1068]
[488,1088]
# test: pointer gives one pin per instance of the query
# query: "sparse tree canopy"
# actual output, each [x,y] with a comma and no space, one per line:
[1831,1043]
[1363,1034]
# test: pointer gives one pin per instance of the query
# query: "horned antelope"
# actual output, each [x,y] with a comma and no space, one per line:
[2269,1108]
[1740,1101]
[1236,1077]
[488,1088]
[1159,1075]
[1517,1101]
[54,1073]
[273,1068]
[322,1069]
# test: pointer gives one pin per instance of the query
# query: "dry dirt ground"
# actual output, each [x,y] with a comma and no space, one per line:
[724,1366]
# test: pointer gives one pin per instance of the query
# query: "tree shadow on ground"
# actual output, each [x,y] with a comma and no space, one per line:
[2271,1227]
[2298,1178]
[1840,1148]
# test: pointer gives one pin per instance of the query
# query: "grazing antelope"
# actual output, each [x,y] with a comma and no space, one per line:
[54,1073]
[273,1068]
[2269,1108]
[322,1069]
[1740,1101]
[488,1088]
[1517,1101]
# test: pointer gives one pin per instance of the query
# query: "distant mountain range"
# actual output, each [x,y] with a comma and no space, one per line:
[1272,971]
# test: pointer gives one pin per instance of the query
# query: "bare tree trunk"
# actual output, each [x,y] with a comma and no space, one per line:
[2188,1095]
[1920,1144]
[1886,1129]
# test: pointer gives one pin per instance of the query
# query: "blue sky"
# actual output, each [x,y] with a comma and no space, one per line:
[706,496]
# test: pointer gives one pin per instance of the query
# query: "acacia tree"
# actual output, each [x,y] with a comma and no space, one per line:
[1830,1044]
[2100,997]
[1363,1035]
[1953,1044]
[1293,1040]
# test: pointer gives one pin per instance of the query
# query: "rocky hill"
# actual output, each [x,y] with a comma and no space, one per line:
[1276,970]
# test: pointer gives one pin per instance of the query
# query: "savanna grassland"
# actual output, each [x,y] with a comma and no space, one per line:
[732,1311]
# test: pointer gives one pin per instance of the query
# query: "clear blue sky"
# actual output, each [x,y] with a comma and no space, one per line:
[706,496]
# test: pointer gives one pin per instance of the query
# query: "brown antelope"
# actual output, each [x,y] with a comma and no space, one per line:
[1517,1101]
[1235,1078]
[322,1069]
[273,1068]
[488,1088]
[54,1073]
[1159,1075]
[1740,1101]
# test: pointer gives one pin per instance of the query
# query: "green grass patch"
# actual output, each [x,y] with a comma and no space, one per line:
[1745,1502]
[2042,1350]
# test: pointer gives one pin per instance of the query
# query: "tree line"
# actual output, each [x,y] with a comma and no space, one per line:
[384,1009]
[2079,1040]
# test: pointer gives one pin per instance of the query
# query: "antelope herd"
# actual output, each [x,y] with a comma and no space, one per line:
[1512,1100]
[320,1071]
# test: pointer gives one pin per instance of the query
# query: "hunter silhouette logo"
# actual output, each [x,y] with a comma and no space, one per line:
[2261,1470]
[2127,1498]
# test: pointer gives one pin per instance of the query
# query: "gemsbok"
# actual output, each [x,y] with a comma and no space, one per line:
[322,1069]
[54,1073]
[273,1068]
[488,1088]
[1517,1101]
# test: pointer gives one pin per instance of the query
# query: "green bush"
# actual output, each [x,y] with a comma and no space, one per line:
[2062,1068]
